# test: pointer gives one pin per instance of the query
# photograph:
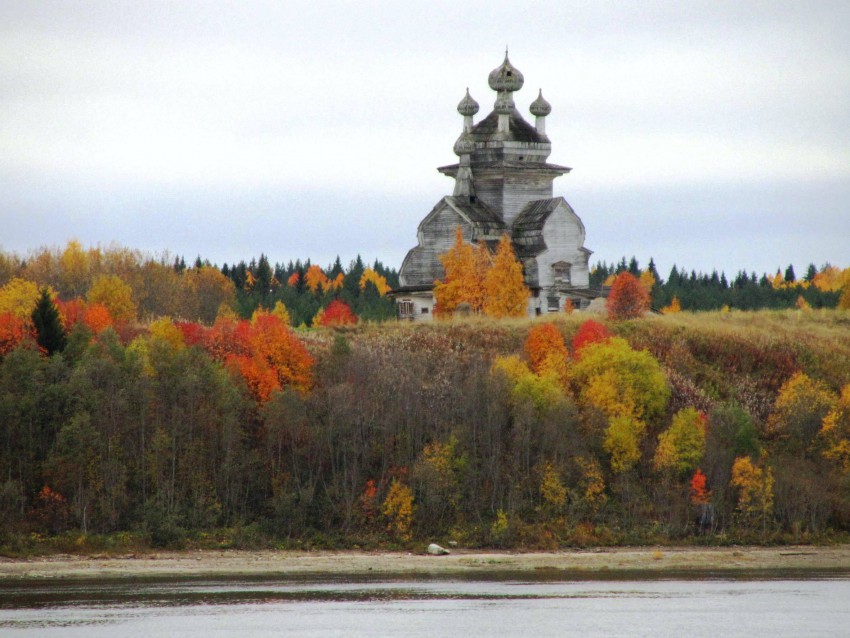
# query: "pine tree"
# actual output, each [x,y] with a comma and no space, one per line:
[48,326]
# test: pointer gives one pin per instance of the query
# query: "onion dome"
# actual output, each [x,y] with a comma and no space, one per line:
[506,77]
[464,145]
[504,104]
[467,107]
[540,107]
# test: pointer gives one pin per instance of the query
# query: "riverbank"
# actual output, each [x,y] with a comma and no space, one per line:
[285,564]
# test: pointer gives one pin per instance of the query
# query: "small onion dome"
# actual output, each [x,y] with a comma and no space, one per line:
[467,107]
[464,145]
[506,77]
[504,104]
[540,107]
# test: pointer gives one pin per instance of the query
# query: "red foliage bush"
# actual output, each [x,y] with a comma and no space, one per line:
[338,314]
[589,332]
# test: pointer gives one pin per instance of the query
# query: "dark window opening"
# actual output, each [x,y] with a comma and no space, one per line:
[521,157]
[510,73]
[472,199]
[424,310]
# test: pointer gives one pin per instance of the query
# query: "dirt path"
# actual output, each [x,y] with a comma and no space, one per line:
[195,564]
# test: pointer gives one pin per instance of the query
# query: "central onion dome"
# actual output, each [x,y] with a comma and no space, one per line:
[506,77]
[540,107]
[467,106]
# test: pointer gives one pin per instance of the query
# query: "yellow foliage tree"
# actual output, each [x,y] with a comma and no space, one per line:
[165,331]
[647,280]
[673,308]
[505,292]
[682,446]
[282,313]
[75,270]
[552,490]
[19,298]
[835,431]
[799,410]
[619,380]
[380,282]
[398,509]
[114,294]
[622,442]
[465,269]
[755,488]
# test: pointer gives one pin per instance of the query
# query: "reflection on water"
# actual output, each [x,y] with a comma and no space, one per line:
[467,608]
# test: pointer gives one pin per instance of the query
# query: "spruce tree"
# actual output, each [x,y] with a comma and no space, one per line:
[48,326]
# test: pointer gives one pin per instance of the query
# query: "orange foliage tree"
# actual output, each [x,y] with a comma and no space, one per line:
[699,494]
[13,330]
[544,344]
[505,292]
[316,280]
[628,299]
[465,266]
[338,313]
[97,317]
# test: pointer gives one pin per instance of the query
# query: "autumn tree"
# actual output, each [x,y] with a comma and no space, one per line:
[545,346]
[465,266]
[19,297]
[338,313]
[755,489]
[506,294]
[379,281]
[682,446]
[316,280]
[115,295]
[398,510]
[590,331]
[799,411]
[835,431]
[628,298]
[13,331]
[628,387]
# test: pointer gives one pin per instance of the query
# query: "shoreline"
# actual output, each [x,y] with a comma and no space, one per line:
[689,562]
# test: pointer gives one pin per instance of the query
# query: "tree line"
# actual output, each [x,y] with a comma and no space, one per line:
[824,287]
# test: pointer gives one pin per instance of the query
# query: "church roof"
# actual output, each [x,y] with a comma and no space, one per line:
[478,214]
[520,130]
[528,226]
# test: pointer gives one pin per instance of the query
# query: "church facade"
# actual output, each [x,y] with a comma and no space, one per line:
[503,184]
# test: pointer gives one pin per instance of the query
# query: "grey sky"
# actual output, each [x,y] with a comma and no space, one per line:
[709,134]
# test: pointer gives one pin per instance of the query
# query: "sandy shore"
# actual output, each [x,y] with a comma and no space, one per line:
[215,564]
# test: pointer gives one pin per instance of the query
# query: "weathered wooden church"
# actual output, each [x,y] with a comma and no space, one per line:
[503,184]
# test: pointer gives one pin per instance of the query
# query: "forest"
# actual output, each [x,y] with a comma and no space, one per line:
[146,403]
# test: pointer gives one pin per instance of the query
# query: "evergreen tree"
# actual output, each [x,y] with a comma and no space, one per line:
[48,326]
[790,276]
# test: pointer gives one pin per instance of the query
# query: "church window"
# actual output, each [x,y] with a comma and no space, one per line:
[561,273]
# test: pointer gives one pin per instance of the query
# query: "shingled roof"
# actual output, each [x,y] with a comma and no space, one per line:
[528,226]
[520,130]
[479,214]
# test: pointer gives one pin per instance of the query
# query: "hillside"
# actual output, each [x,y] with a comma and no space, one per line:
[711,428]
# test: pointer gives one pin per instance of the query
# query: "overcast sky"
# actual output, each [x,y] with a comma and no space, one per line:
[709,134]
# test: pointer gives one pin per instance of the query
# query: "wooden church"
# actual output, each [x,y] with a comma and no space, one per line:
[503,184]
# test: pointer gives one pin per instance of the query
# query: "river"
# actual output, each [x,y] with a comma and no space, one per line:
[499,606]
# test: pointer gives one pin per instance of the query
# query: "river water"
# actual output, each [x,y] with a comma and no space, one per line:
[500,606]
